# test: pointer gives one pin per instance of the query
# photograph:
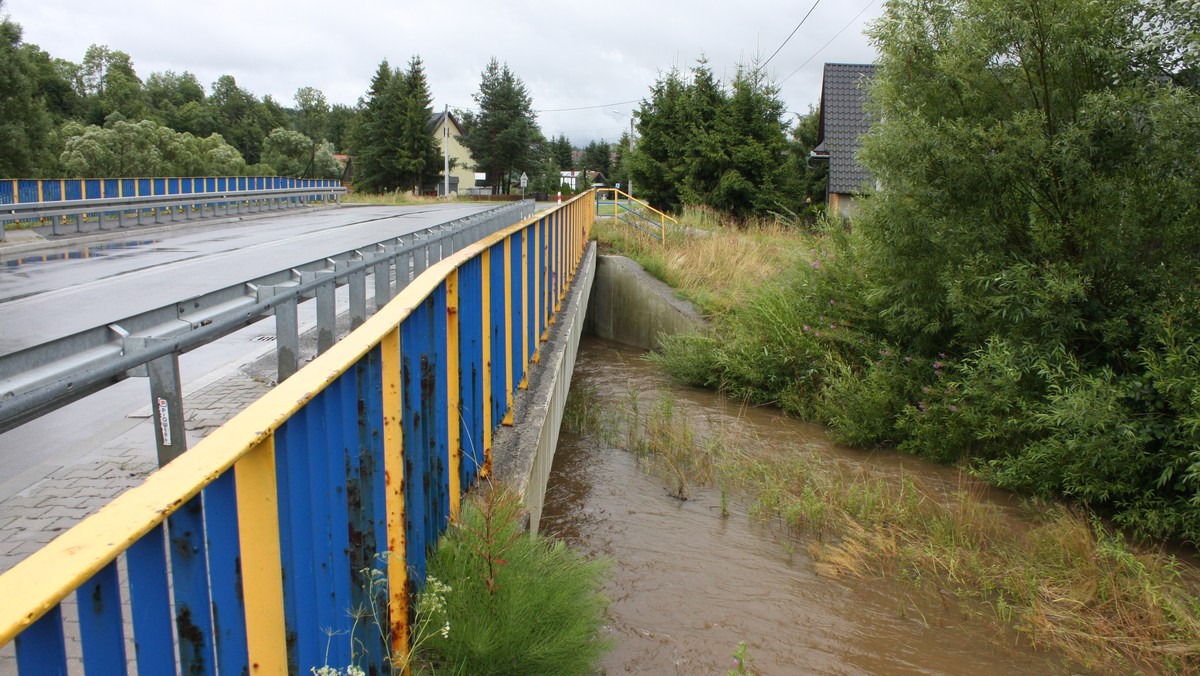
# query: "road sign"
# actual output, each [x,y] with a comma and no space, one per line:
[524,180]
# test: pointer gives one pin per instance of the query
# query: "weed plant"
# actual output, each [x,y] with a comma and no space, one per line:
[520,604]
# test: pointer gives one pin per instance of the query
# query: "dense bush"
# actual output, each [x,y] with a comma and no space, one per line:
[1021,295]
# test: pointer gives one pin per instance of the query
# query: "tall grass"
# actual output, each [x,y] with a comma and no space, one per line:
[711,263]
[1062,579]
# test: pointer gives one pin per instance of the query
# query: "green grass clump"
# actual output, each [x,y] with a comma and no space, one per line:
[518,604]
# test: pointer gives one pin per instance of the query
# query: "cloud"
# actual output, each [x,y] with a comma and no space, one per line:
[569,56]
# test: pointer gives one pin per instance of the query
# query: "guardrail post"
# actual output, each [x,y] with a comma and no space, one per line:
[287,340]
[326,313]
[382,272]
[358,298]
[166,406]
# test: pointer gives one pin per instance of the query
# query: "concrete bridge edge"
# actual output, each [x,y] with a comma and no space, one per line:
[523,454]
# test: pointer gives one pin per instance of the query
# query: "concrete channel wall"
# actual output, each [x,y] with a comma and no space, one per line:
[630,307]
[614,299]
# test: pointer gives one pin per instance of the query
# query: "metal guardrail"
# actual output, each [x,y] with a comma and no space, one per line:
[247,554]
[39,379]
[632,217]
[194,205]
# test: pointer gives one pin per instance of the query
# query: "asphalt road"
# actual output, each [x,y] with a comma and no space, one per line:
[43,298]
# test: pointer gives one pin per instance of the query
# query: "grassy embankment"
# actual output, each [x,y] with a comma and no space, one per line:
[1061,578]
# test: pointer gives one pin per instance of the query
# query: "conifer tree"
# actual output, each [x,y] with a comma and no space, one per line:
[419,159]
[504,134]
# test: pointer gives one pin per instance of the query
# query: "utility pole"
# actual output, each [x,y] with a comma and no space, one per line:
[446,152]
[627,171]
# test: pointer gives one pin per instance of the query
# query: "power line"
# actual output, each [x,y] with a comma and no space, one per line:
[559,110]
[563,110]
[835,36]
[789,37]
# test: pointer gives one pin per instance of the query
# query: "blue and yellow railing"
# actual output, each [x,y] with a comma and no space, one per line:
[24,191]
[252,552]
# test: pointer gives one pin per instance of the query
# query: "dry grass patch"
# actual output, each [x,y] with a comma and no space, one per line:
[707,259]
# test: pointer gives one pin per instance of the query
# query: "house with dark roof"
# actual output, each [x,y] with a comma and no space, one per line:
[446,131]
[844,119]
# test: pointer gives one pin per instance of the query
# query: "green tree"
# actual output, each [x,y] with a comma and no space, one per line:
[242,119]
[174,98]
[419,160]
[810,178]
[753,145]
[374,136]
[597,156]
[338,125]
[705,146]
[562,153]
[111,85]
[502,136]
[1038,222]
[144,148]
[24,121]
[291,153]
[312,112]
[654,163]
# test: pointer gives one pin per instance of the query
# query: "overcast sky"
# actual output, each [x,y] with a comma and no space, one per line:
[568,54]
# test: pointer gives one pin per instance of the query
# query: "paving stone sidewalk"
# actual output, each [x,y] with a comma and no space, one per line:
[39,513]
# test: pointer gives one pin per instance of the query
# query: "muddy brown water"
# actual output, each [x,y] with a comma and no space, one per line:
[688,583]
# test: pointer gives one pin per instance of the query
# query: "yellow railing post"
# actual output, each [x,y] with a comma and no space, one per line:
[393,464]
[262,587]
[453,396]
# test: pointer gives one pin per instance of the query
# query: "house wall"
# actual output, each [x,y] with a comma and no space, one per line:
[464,165]
[843,204]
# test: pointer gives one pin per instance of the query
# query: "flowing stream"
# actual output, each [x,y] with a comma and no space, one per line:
[688,583]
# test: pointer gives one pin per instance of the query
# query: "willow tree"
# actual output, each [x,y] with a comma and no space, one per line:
[1038,221]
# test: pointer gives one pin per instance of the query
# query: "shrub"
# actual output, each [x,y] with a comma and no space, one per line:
[520,604]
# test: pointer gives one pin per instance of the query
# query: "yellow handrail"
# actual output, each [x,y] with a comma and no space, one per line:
[662,217]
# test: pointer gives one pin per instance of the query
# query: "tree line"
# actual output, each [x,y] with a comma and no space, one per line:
[99,118]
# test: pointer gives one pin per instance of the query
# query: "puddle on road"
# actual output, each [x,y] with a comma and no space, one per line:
[688,583]
[94,251]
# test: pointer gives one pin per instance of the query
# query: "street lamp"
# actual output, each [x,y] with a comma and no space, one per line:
[627,156]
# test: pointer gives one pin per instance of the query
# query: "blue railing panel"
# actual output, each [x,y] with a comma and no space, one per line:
[317,420]
[224,556]
[368,509]
[100,625]
[27,191]
[150,601]
[296,541]
[470,363]
[41,649]
[517,292]
[189,582]
[501,352]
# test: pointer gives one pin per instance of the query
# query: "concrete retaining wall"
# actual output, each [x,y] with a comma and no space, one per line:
[522,454]
[630,307]
[612,298]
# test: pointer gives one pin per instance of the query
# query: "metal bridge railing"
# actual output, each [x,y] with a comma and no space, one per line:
[246,554]
[648,219]
[57,200]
